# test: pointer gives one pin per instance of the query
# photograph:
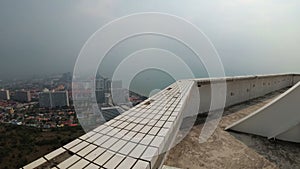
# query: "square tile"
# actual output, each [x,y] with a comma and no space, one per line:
[121,134]
[101,140]
[118,145]
[138,137]
[80,164]
[154,130]
[105,130]
[145,129]
[158,142]
[168,124]
[114,161]
[138,151]
[87,135]
[113,132]
[94,137]
[108,143]
[138,127]
[101,127]
[103,158]
[129,135]
[55,153]
[78,147]
[68,162]
[141,165]
[72,144]
[127,148]
[87,150]
[94,154]
[163,132]
[130,126]
[147,139]
[92,166]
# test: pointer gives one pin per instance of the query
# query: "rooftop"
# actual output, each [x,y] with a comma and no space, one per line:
[232,149]
[139,137]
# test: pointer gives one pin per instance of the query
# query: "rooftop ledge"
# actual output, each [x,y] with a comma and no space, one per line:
[141,137]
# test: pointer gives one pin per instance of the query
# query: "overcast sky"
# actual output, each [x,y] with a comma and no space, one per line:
[251,36]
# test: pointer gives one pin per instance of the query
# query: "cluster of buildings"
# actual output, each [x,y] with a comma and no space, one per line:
[53,99]
[29,102]
[104,87]
[4,95]
[50,110]
[110,92]
[46,99]
[19,95]
[43,108]
[42,119]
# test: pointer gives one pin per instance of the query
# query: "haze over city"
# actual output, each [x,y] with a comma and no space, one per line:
[251,36]
[152,84]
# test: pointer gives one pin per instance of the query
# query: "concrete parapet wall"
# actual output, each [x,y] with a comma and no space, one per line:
[243,88]
[296,78]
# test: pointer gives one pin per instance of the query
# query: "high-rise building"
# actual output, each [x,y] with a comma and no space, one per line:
[54,99]
[101,89]
[107,86]
[100,83]
[4,95]
[100,96]
[60,99]
[45,99]
[22,96]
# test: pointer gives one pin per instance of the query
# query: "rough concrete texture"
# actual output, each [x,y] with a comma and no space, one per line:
[169,167]
[234,150]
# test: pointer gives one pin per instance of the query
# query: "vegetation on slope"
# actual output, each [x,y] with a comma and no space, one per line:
[20,145]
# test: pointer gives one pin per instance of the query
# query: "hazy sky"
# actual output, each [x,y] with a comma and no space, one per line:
[251,36]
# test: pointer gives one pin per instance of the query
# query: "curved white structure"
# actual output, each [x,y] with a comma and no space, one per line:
[279,119]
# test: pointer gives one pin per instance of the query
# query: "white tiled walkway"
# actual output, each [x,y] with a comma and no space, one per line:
[134,139]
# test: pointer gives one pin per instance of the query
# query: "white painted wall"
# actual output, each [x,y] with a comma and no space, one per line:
[243,88]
